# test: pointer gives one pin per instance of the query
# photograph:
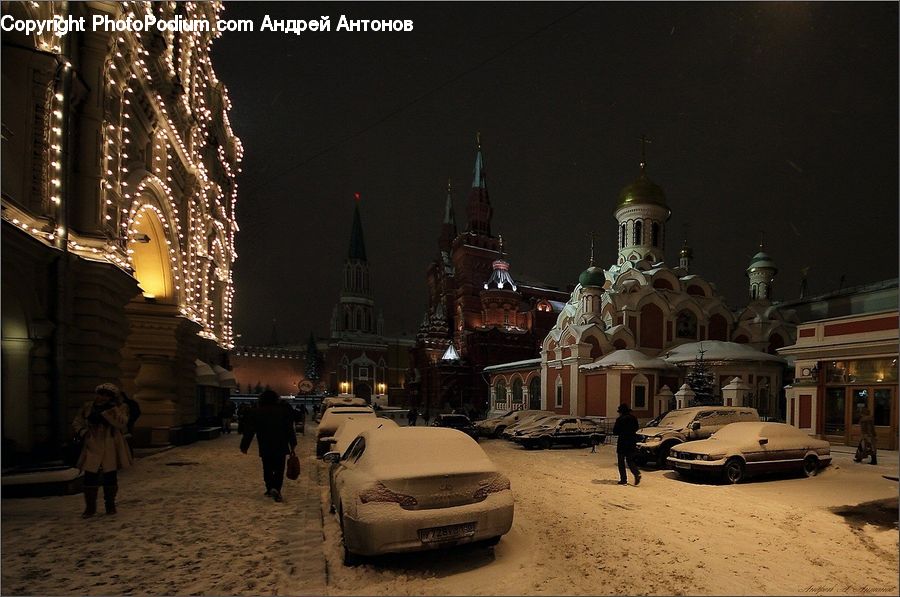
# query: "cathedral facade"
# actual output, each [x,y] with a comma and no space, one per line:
[630,332]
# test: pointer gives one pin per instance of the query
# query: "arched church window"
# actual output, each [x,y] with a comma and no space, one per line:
[654,234]
[637,232]
[559,392]
[517,393]
[686,325]
[639,391]
[622,237]
[500,393]
[347,319]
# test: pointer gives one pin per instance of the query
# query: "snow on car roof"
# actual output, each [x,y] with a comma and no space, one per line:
[405,452]
[355,409]
[750,430]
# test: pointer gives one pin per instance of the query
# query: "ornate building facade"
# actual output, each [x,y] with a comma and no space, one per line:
[478,314]
[119,193]
[630,332]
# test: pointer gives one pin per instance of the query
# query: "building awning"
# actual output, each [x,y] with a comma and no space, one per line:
[226,377]
[205,374]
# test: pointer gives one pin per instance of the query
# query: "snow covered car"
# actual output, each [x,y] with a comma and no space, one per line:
[528,426]
[525,422]
[495,426]
[572,431]
[332,419]
[742,449]
[687,424]
[417,488]
[333,401]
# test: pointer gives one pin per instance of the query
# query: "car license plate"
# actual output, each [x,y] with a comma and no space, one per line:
[447,533]
[686,465]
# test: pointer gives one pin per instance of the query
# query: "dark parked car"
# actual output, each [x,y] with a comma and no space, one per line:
[460,422]
[572,431]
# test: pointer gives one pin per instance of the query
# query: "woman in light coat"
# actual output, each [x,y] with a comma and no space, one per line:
[101,425]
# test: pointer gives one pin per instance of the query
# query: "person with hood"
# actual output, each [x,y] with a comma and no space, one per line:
[272,422]
[625,428]
[101,426]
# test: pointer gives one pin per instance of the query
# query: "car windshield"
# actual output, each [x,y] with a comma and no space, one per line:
[677,419]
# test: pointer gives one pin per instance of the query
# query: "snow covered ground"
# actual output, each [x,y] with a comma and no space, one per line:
[193,520]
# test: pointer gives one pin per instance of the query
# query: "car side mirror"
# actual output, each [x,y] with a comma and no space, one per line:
[331,457]
[763,441]
[695,425]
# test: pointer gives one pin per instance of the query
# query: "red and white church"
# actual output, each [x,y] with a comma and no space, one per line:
[630,332]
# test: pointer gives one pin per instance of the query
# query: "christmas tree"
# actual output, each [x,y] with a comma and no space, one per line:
[313,360]
[701,380]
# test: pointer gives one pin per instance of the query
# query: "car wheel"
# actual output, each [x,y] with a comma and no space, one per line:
[492,541]
[640,459]
[546,443]
[498,432]
[734,471]
[810,466]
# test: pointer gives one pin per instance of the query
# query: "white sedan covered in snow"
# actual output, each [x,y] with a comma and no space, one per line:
[411,489]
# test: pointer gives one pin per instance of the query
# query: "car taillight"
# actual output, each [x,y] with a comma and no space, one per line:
[380,493]
[492,485]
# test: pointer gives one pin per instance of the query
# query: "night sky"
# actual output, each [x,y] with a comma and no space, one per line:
[772,118]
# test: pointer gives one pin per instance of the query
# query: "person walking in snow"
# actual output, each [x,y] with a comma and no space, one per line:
[412,416]
[101,425]
[272,422]
[867,438]
[626,429]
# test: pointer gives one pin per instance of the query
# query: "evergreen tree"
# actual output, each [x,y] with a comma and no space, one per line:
[701,380]
[313,360]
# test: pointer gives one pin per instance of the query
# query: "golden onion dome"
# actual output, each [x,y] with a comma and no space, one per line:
[642,191]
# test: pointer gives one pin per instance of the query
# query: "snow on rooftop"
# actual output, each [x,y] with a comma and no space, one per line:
[716,350]
[628,358]
[514,364]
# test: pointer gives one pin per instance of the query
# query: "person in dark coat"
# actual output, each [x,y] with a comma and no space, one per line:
[626,429]
[272,421]
[412,416]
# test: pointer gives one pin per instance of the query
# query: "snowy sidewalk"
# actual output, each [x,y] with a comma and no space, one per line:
[192,520]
